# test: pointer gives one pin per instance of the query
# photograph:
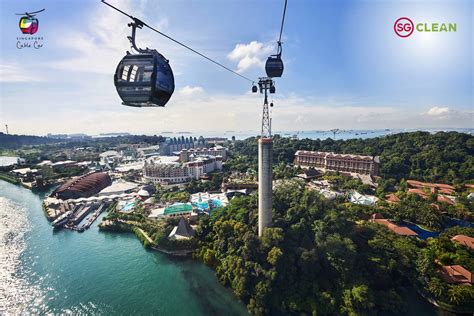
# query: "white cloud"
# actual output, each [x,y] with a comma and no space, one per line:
[16,73]
[99,48]
[250,55]
[191,108]
[437,111]
[187,90]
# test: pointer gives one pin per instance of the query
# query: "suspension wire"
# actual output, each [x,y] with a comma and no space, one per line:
[140,22]
[282,22]
[30,13]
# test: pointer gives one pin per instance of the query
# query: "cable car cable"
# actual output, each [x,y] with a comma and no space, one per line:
[282,22]
[139,22]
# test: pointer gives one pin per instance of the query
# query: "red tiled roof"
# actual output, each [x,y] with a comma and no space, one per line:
[464,240]
[399,230]
[446,191]
[392,198]
[444,186]
[455,274]
[418,192]
[418,184]
[442,198]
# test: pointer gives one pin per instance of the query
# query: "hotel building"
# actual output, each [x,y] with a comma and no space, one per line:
[328,161]
[180,172]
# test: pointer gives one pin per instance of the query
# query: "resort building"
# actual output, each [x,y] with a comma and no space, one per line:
[432,187]
[174,210]
[214,151]
[206,202]
[456,274]
[328,161]
[444,192]
[392,198]
[399,230]
[361,199]
[83,186]
[119,187]
[464,240]
[182,231]
[171,145]
[156,170]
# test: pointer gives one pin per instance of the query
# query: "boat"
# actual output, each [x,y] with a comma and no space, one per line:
[62,219]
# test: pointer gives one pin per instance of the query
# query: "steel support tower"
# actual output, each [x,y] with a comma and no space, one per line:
[265,169]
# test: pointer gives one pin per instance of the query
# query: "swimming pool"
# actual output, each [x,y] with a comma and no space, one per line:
[207,204]
[128,207]
[216,203]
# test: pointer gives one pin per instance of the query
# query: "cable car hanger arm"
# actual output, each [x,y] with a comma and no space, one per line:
[140,24]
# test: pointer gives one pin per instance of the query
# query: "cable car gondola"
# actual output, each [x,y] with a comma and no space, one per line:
[144,79]
[274,66]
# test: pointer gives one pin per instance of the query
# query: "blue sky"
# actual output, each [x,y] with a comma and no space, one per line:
[344,66]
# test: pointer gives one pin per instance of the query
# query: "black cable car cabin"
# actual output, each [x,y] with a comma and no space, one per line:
[274,66]
[144,79]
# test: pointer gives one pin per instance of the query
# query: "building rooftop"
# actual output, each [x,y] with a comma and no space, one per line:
[24,171]
[178,208]
[83,186]
[392,198]
[357,198]
[182,231]
[331,154]
[399,230]
[119,187]
[456,274]
[415,183]
[464,240]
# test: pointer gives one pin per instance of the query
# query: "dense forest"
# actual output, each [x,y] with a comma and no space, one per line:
[319,258]
[323,257]
[443,157]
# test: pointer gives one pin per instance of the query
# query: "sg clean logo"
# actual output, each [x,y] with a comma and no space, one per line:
[404,27]
[28,22]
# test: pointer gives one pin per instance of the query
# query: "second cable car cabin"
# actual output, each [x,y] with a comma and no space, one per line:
[144,79]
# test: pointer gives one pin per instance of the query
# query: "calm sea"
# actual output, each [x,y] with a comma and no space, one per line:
[101,273]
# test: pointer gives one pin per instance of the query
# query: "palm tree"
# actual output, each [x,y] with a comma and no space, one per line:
[456,294]
[436,287]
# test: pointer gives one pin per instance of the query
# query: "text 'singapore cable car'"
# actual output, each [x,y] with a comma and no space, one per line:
[144,79]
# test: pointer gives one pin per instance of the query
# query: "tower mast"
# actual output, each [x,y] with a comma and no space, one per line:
[265,153]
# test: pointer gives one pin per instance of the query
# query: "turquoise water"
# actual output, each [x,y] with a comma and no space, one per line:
[42,271]
[128,206]
[204,205]
[216,203]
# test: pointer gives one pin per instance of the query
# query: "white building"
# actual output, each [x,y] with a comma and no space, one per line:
[168,170]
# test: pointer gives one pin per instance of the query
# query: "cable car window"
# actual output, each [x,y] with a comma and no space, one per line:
[147,72]
[133,73]
[125,72]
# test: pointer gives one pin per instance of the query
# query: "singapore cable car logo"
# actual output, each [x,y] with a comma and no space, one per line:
[28,22]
